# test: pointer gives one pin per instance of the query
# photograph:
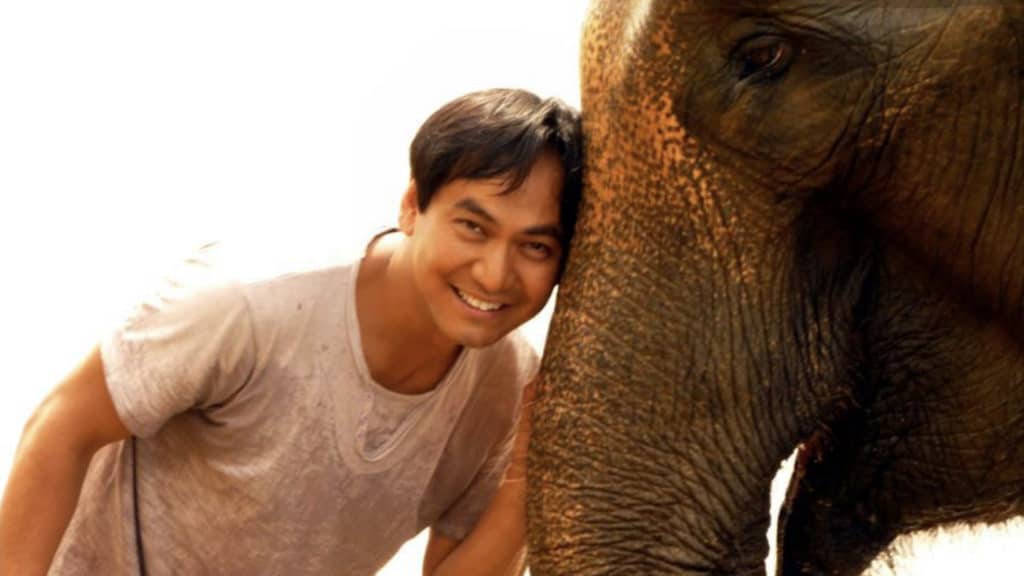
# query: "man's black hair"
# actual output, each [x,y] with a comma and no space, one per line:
[498,133]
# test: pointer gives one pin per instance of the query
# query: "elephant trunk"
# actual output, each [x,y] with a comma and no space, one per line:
[661,418]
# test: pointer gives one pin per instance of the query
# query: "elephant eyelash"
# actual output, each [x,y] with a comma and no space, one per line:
[763,57]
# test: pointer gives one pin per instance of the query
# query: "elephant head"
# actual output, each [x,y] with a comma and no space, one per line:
[802,226]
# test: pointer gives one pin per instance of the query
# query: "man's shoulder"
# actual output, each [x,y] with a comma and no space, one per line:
[254,276]
[514,346]
[511,360]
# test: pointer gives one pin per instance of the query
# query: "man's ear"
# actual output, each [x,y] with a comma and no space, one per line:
[409,209]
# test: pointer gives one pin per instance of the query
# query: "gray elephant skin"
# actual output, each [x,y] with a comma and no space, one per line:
[802,226]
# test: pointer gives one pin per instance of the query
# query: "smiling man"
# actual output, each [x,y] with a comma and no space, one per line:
[310,420]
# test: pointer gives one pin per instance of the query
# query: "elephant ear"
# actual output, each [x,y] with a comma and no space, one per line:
[929,440]
[946,159]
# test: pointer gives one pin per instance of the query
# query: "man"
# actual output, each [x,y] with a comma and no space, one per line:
[308,420]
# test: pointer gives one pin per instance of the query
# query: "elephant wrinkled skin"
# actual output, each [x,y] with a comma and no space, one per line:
[803,225]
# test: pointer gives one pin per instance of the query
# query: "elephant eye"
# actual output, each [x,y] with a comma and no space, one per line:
[763,57]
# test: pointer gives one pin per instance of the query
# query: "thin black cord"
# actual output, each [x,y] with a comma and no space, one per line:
[135,509]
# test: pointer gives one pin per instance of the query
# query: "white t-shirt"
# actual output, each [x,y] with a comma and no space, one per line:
[264,446]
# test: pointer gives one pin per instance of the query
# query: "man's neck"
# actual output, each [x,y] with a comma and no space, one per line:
[404,350]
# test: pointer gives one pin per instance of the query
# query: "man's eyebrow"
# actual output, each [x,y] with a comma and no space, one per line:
[470,205]
[552,231]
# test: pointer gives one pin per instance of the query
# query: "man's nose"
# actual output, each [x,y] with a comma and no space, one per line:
[492,270]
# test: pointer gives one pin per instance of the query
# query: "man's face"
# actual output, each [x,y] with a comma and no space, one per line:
[485,260]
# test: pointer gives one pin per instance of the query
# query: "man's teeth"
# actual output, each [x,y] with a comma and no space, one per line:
[478,304]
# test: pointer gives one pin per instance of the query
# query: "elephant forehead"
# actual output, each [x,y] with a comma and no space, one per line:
[640,156]
[631,122]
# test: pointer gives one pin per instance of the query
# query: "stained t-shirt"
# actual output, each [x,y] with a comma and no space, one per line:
[263,446]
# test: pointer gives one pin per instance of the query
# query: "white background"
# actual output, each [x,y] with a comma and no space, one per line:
[132,131]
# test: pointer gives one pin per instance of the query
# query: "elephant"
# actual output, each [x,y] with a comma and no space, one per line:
[802,227]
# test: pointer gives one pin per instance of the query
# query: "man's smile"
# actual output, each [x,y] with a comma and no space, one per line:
[477,303]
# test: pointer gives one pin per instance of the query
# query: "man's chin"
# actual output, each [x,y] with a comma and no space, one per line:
[478,340]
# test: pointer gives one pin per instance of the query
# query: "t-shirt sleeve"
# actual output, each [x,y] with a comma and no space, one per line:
[459,520]
[461,517]
[188,346]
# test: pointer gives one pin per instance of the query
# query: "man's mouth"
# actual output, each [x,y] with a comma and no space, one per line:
[478,304]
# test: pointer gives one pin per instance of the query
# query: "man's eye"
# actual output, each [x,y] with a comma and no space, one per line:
[538,249]
[764,56]
[470,226]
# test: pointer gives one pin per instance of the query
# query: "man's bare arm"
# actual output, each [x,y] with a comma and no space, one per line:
[497,544]
[75,420]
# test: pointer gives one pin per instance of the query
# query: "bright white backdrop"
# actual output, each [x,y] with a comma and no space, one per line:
[132,131]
